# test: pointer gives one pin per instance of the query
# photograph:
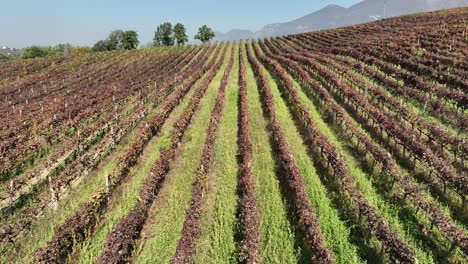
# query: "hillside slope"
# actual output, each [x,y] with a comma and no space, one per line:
[338,146]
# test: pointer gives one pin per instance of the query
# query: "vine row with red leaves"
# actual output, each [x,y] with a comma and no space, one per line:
[395,248]
[249,246]
[447,227]
[121,241]
[77,227]
[191,227]
[402,135]
[295,184]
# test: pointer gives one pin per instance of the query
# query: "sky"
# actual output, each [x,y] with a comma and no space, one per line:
[84,22]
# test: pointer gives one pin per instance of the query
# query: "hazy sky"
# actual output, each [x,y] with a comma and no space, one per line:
[83,22]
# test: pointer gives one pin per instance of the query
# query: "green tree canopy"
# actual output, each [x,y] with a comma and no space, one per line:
[101,45]
[44,51]
[118,40]
[180,34]
[129,40]
[205,34]
[4,57]
[60,49]
[114,40]
[35,52]
[163,35]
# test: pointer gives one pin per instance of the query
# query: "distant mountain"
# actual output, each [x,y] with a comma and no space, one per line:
[333,16]
[234,34]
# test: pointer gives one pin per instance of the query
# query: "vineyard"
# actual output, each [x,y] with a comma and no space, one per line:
[338,146]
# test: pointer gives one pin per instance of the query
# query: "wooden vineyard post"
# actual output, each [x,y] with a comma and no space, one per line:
[399,115]
[462,159]
[54,197]
[12,191]
[107,183]
[393,183]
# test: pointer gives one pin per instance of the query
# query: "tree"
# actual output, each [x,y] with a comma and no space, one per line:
[180,34]
[163,35]
[4,57]
[35,51]
[101,45]
[129,40]
[118,40]
[115,39]
[62,49]
[205,34]
[45,51]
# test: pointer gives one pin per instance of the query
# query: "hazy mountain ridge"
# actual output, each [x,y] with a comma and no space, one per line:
[333,16]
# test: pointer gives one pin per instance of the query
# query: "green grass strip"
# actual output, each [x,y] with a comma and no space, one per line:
[166,219]
[335,232]
[216,243]
[277,234]
[43,230]
[363,182]
[129,194]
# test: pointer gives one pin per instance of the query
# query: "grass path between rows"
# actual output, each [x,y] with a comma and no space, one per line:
[364,183]
[128,194]
[409,221]
[335,232]
[216,243]
[43,230]
[442,201]
[276,232]
[166,217]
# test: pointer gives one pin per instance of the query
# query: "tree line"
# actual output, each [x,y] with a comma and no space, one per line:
[64,49]
[165,35]
[118,40]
